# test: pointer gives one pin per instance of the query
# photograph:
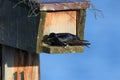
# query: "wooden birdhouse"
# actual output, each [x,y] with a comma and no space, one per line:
[24,24]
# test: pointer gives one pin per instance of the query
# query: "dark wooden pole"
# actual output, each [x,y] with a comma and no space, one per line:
[0,62]
[19,65]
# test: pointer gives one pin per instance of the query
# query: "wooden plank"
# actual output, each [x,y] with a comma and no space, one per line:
[60,22]
[40,33]
[0,62]
[81,17]
[62,50]
[64,6]
[19,65]
[7,63]
[16,28]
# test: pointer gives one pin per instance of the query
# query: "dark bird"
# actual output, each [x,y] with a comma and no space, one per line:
[65,39]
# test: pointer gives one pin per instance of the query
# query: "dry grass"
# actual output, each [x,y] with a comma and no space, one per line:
[33,7]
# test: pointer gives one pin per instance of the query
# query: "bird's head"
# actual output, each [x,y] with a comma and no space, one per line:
[50,38]
[52,35]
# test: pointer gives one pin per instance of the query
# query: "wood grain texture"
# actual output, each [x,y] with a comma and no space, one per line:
[62,50]
[40,33]
[0,62]
[19,65]
[60,22]
[64,6]
[16,28]
[81,17]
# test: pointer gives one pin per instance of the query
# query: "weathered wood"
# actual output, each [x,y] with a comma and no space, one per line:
[26,33]
[0,62]
[62,50]
[16,28]
[64,6]
[81,17]
[19,65]
[40,33]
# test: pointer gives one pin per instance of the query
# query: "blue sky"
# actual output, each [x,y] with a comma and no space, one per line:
[99,62]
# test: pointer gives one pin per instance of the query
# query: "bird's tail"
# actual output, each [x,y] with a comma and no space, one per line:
[85,43]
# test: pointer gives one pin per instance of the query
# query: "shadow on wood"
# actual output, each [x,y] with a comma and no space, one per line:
[0,62]
[19,57]
[16,28]
[19,65]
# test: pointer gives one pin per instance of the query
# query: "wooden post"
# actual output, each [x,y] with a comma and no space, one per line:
[80,23]
[19,65]
[0,63]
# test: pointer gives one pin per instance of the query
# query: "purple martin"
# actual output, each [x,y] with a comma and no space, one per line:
[65,39]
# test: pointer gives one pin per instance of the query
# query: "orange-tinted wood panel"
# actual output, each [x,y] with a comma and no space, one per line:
[60,22]
[19,65]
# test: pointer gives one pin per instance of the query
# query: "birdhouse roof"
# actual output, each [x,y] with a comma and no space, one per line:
[63,0]
[56,5]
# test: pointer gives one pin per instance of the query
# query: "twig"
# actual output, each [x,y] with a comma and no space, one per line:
[95,11]
[34,8]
